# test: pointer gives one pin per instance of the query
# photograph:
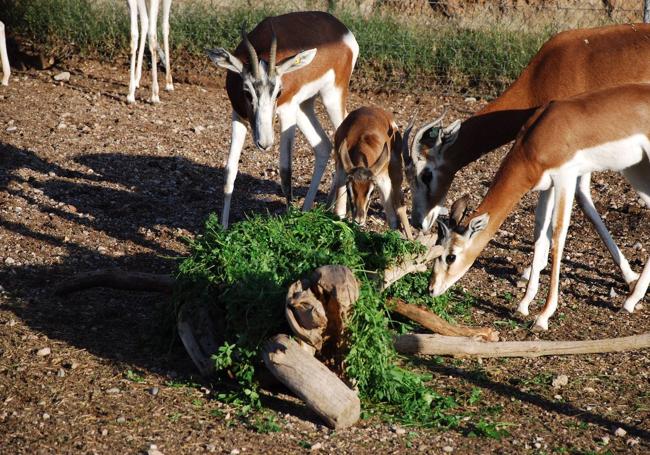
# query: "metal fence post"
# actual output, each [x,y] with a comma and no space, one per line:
[646,11]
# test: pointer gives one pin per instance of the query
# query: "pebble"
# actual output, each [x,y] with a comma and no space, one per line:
[637,246]
[589,390]
[121,420]
[104,432]
[46,416]
[211,448]
[153,450]
[557,397]
[154,390]
[447,449]
[605,440]
[234,452]
[61,126]
[316,446]
[198,129]
[10,261]
[43,352]
[60,373]
[620,432]
[470,99]
[11,129]
[63,76]
[612,293]
[560,381]
[113,390]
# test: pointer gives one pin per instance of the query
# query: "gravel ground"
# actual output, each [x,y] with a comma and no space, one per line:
[87,182]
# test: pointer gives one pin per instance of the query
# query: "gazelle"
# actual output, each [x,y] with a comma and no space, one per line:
[280,67]
[6,70]
[368,148]
[570,63]
[602,130]
[148,28]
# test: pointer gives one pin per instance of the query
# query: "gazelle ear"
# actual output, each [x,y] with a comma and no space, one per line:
[476,225]
[225,59]
[459,210]
[296,62]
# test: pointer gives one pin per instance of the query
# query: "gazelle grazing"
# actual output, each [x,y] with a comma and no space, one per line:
[280,67]
[368,148]
[6,70]
[607,129]
[148,28]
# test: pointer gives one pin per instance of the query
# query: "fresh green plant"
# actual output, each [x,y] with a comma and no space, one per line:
[242,276]
[134,376]
[266,424]
[493,430]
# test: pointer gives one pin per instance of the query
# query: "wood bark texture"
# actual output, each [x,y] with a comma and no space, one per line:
[321,390]
[469,347]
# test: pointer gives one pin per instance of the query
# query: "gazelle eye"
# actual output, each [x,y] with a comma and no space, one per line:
[450,259]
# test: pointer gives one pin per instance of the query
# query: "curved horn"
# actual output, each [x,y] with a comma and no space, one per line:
[252,53]
[381,161]
[416,141]
[344,156]
[405,139]
[273,52]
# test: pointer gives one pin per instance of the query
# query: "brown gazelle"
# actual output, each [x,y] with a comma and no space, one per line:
[368,148]
[570,63]
[280,67]
[602,130]
[6,70]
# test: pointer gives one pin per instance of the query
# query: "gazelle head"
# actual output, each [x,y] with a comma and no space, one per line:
[426,170]
[361,180]
[262,83]
[459,248]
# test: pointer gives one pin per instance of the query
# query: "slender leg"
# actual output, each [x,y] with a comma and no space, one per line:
[565,188]
[639,290]
[386,190]
[6,69]
[133,13]
[144,30]
[288,121]
[543,233]
[337,197]
[583,194]
[317,138]
[334,100]
[169,83]
[153,48]
[232,165]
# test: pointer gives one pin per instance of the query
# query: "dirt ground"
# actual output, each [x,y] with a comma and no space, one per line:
[87,182]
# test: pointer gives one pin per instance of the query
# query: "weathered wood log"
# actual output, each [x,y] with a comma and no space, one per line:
[321,390]
[412,263]
[436,324]
[469,347]
[118,279]
[317,309]
[199,336]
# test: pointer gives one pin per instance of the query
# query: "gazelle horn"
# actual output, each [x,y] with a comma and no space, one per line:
[254,61]
[345,157]
[416,141]
[272,53]
[381,161]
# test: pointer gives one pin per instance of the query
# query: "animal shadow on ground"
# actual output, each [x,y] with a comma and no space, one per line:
[123,197]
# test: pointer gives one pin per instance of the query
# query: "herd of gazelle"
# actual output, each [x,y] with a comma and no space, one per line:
[571,112]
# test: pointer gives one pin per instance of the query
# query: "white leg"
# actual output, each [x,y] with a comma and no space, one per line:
[640,289]
[6,69]
[232,165]
[317,138]
[288,121]
[153,48]
[133,13]
[565,188]
[334,104]
[144,30]
[583,195]
[385,190]
[169,83]
[543,215]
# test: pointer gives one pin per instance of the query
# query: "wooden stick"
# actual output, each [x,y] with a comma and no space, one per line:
[411,264]
[322,391]
[118,279]
[466,347]
[436,324]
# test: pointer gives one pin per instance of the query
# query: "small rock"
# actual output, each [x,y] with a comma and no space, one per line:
[234,452]
[620,432]
[63,76]
[10,261]
[589,390]
[470,99]
[121,420]
[198,129]
[560,381]
[11,129]
[60,373]
[400,431]
[154,390]
[605,440]
[538,445]
[43,352]
[612,293]
[153,450]
[637,246]
[316,446]
[104,432]
[113,390]
[211,448]
[447,449]
[61,126]
[46,416]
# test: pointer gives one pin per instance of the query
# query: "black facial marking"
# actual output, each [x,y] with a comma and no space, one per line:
[426,176]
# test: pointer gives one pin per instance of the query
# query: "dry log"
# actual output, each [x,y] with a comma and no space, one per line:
[317,309]
[118,279]
[468,347]
[412,263]
[436,324]
[323,392]
[199,336]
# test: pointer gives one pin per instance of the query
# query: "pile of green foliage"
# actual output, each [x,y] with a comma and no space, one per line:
[243,274]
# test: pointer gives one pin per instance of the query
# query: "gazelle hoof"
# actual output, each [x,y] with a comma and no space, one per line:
[169,87]
[630,305]
[155,100]
[539,326]
[522,312]
[130,99]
